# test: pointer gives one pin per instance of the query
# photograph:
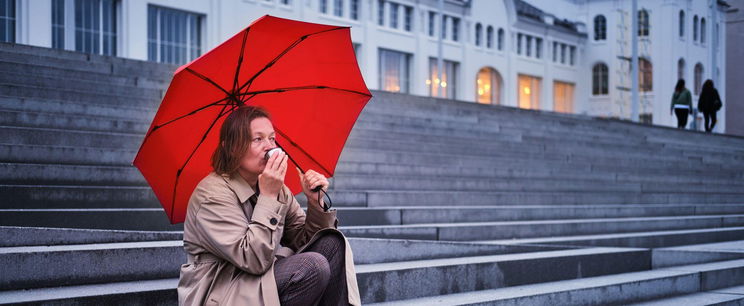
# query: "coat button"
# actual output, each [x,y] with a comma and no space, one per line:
[273,221]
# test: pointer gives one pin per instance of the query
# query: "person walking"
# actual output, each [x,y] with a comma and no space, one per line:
[681,103]
[709,103]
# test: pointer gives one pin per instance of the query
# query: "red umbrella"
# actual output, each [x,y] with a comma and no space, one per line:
[304,74]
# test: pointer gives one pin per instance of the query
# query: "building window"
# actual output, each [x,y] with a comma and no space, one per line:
[681,69]
[563,54]
[528,46]
[432,23]
[600,28]
[444,88]
[7,20]
[563,97]
[323,5]
[394,71]
[286,2]
[455,29]
[501,39]
[394,15]
[538,47]
[354,10]
[488,86]
[173,36]
[519,43]
[489,37]
[698,78]
[645,75]
[58,24]
[381,12]
[444,27]
[529,92]
[681,24]
[600,79]
[408,18]
[702,30]
[478,33]
[338,8]
[643,23]
[555,52]
[695,28]
[571,55]
[95,26]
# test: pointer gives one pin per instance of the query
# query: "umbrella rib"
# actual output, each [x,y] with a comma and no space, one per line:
[207,79]
[302,88]
[272,62]
[186,115]
[178,173]
[240,59]
[301,150]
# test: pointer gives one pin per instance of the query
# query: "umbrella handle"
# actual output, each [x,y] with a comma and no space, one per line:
[326,206]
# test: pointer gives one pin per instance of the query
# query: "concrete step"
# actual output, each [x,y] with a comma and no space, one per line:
[384,198]
[16,236]
[698,253]
[540,228]
[102,86]
[88,264]
[644,239]
[725,296]
[153,219]
[39,69]
[617,289]
[466,274]
[34,92]
[77,108]
[442,273]
[145,292]
[46,154]
[78,196]
[62,121]
[84,61]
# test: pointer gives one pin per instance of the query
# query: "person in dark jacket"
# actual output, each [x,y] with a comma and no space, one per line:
[709,103]
[681,103]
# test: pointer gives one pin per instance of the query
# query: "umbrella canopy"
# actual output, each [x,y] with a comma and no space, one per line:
[304,74]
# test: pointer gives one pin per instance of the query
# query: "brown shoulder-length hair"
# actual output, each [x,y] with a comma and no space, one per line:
[235,137]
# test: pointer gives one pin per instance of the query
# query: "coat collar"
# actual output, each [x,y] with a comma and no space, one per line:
[241,188]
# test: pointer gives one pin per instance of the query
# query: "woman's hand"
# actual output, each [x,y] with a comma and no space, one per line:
[309,181]
[271,180]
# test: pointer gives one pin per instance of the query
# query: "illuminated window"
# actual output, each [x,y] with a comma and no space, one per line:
[394,71]
[529,92]
[563,96]
[488,86]
[446,87]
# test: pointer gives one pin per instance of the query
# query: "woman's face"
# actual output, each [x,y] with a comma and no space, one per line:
[262,140]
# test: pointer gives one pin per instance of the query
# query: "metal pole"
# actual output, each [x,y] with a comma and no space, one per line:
[442,29]
[634,61]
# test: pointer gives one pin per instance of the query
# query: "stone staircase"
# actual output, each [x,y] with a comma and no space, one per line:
[445,202]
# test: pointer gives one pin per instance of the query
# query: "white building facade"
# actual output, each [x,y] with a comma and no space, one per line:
[555,55]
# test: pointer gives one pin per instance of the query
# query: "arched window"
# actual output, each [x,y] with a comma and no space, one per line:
[698,78]
[681,69]
[478,33]
[643,23]
[488,86]
[645,75]
[501,39]
[681,23]
[600,79]
[600,28]
[489,37]
[702,30]
[694,28]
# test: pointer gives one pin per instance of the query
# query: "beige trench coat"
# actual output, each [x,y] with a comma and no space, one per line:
[232,245]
